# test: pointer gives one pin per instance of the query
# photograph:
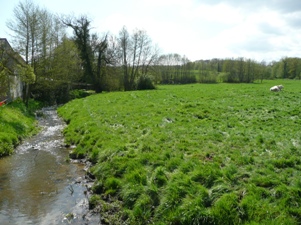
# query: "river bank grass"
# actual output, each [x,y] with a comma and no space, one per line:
[16,123]
[192,154]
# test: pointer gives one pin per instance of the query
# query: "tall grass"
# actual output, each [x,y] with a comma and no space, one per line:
[16,123]
[193,154]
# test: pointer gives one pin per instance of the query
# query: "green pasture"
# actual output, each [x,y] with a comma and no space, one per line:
[16,123]
[192,154]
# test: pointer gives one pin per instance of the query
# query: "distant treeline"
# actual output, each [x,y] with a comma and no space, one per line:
[126,61]
[233,70]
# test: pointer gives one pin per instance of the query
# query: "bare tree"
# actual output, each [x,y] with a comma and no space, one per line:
[25,27]
[124,44]
[174,69]
[136,55]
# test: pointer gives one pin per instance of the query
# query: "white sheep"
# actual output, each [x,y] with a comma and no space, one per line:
[276,88]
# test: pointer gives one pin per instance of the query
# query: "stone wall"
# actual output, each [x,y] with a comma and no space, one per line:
[10,59]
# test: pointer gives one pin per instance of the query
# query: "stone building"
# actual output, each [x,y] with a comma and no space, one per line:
[11,85]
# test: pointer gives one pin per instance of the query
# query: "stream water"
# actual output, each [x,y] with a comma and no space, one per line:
[38,186]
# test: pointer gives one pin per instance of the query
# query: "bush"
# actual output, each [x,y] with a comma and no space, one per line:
[51,93]
[209,77]
[80,93]
[185,79]
[145,83]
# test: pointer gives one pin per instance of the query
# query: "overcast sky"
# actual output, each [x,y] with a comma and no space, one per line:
[199,29]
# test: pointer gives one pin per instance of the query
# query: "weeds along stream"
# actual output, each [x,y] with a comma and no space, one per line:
[37,183]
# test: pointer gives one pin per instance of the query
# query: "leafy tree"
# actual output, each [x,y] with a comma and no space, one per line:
[174,68]
[51,34]
[230,69]
[240,69]
[81,29]
[287,68]
[251,69]
[65,71]
[262,71]
[66,62]
[92,50]
[103,58]
[166,65]
[26,73]
[294,67]
[277,70]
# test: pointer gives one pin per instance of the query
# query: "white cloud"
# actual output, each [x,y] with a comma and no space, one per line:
[220,13]
[204,29]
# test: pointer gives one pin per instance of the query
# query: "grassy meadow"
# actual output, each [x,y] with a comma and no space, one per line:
[192,154]
[16,123]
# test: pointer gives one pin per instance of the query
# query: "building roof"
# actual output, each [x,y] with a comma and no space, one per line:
[10,51]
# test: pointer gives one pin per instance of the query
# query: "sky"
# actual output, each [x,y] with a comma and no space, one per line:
[262,30]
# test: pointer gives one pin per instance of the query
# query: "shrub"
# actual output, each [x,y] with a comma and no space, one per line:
[145,83]
[209,77]
[80,93]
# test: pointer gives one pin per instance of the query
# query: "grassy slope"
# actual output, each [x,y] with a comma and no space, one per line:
[16,123]
[193,154]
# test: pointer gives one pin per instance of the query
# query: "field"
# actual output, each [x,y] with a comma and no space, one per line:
[192,154]
[16,123]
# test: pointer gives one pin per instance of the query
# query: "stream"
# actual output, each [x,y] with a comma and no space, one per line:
[37,183]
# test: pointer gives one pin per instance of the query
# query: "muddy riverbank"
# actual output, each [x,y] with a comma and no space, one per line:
[39,185]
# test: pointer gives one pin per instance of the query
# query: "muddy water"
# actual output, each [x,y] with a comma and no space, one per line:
[38,186]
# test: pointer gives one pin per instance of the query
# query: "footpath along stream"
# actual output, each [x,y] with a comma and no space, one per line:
[37,184]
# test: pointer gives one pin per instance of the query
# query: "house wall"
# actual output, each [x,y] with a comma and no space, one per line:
[15,84]
[16,88]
